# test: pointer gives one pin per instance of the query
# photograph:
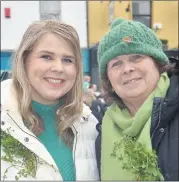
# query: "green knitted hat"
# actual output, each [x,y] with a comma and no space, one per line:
[129,37]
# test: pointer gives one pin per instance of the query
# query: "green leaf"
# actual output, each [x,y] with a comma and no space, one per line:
[18,156]
[134,156]
[16,178]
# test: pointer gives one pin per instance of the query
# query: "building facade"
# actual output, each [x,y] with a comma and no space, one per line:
[16,16]
[90,18]
[160,15]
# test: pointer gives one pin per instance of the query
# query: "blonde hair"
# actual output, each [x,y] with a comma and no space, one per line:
[73,103]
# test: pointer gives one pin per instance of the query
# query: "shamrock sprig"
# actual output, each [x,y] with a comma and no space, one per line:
[136,157]
[18,156]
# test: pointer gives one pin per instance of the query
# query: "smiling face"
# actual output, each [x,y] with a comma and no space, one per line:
[51,69]
[133,76]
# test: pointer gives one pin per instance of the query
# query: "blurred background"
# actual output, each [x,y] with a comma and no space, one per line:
[91,20]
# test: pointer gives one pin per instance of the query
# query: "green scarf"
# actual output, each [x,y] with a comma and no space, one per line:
[118,123]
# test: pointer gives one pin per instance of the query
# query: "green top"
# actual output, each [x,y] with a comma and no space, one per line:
[59,151]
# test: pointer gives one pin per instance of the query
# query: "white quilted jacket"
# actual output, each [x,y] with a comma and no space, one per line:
[84,129]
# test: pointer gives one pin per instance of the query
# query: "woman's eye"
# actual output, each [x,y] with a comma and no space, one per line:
[47,57]
[67,60]
[116,64]
[137,58]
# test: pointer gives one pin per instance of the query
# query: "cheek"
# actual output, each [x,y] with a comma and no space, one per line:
[73,73]
[114,78]
[31,66]
[152,78]
[111,76]
[35,73]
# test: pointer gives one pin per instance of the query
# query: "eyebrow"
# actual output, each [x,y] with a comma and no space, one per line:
[133,56]
[52,53]
[116,60]
[48,52]
[69,56]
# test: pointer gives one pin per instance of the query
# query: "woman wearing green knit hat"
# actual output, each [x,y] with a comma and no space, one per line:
[140,139]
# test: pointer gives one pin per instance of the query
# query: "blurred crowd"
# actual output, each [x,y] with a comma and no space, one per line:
[94,98]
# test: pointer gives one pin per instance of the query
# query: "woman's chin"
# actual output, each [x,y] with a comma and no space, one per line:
[134,94]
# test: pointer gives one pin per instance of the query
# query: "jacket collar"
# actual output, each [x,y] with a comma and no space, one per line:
[173,91]
[170,103]
[167,107]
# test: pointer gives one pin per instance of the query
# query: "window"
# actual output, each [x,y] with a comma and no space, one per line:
[142,12]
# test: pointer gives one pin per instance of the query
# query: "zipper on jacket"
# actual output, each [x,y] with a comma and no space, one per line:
[22,129]
[75,148]
[158,120]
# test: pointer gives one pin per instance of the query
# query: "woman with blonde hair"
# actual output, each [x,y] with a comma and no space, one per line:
[47,133]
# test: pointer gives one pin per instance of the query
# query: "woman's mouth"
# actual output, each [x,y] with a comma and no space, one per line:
[132,81]
[54,82]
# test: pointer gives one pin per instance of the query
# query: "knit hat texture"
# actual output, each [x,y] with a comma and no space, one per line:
[129,37]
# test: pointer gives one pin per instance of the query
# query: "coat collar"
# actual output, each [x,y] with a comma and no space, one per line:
[166,108]
[170,103]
